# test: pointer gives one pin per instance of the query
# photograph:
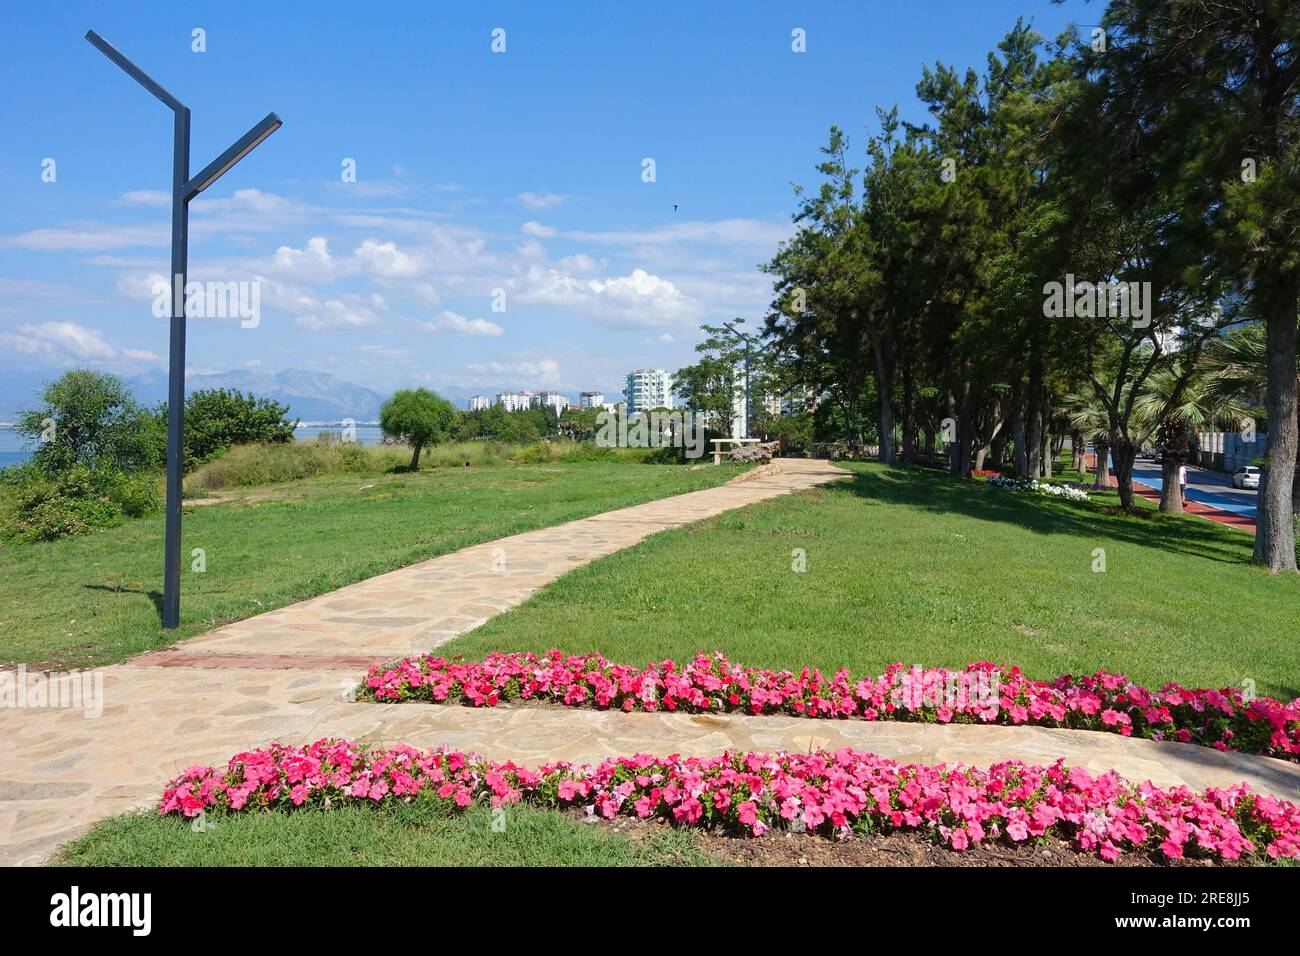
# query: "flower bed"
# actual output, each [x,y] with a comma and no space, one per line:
[835,794]
[982,693]
[1071,491]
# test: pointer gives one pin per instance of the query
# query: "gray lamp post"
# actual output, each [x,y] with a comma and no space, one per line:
[183,190]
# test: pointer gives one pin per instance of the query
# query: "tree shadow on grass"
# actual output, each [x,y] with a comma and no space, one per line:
[943,494]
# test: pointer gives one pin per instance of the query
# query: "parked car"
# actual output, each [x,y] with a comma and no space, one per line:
[1247,477]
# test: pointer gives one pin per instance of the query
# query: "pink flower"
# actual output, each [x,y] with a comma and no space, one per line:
[747,813]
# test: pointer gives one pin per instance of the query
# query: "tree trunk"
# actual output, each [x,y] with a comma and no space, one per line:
[1295,478]
[415,455]
[1125,454]
[885,411]
[909,417]
[998,448]
[950,436]
[1171,499]
[1076,451]
[1034,423]
[1045,439]
[1102,467]
[965,426]
[1274,530]
[1177,444]
[1018,437]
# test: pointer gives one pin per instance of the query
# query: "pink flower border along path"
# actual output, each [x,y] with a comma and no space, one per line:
[982,693]
[834,794]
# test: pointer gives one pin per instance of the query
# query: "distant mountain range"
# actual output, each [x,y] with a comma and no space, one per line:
[311,396]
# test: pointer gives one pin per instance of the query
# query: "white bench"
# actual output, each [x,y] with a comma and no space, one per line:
[718,442]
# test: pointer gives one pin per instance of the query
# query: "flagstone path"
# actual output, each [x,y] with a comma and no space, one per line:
[287,675]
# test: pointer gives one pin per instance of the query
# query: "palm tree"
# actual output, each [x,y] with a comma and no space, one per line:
[1173,405]
[1238,369]
[1087,416]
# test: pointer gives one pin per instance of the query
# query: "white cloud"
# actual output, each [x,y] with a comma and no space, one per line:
[344,312]
[310,264]
[145,197]
[532,228]
[448,321]
[540,200]
[528,373]
[67,341]
[89,236]
[754,233]
[385,259]
[637,300]
[141,286]
[370,189]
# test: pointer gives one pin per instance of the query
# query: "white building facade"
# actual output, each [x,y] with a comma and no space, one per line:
[552,400]
[648,388]
[515,401]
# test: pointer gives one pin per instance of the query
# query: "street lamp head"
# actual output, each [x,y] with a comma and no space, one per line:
[133,71]
[245,145]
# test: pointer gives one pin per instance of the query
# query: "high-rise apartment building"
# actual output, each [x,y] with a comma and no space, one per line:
[648,388]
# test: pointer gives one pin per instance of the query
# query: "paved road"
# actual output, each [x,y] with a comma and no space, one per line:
[1208,487]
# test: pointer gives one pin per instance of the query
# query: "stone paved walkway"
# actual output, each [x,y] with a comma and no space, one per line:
[284,676]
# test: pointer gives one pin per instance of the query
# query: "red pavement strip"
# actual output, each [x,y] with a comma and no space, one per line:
[1192,507]
[1231,519]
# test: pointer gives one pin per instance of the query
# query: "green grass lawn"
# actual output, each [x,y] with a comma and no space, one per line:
[912,565]
[372,836]
[94,599]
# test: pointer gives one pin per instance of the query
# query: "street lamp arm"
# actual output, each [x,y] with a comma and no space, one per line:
[137,74]
[242,147]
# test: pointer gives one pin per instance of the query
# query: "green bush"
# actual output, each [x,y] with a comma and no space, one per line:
[79,500]
[217,419]
[246,465]
[589,452]
[664,455]
[540,453]
[140,494]
[89,419]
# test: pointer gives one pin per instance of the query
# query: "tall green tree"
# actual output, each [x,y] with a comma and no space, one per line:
[418,417]
[1213,90]
[88,418]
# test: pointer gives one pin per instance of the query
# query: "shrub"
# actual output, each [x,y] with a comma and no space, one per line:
[80,500]
[663,455]
[247,465]
[139,494]
[537,454]
[589,452]
[217,419]
[89,419]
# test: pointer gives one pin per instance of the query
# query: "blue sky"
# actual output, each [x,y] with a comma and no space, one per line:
[476,171]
